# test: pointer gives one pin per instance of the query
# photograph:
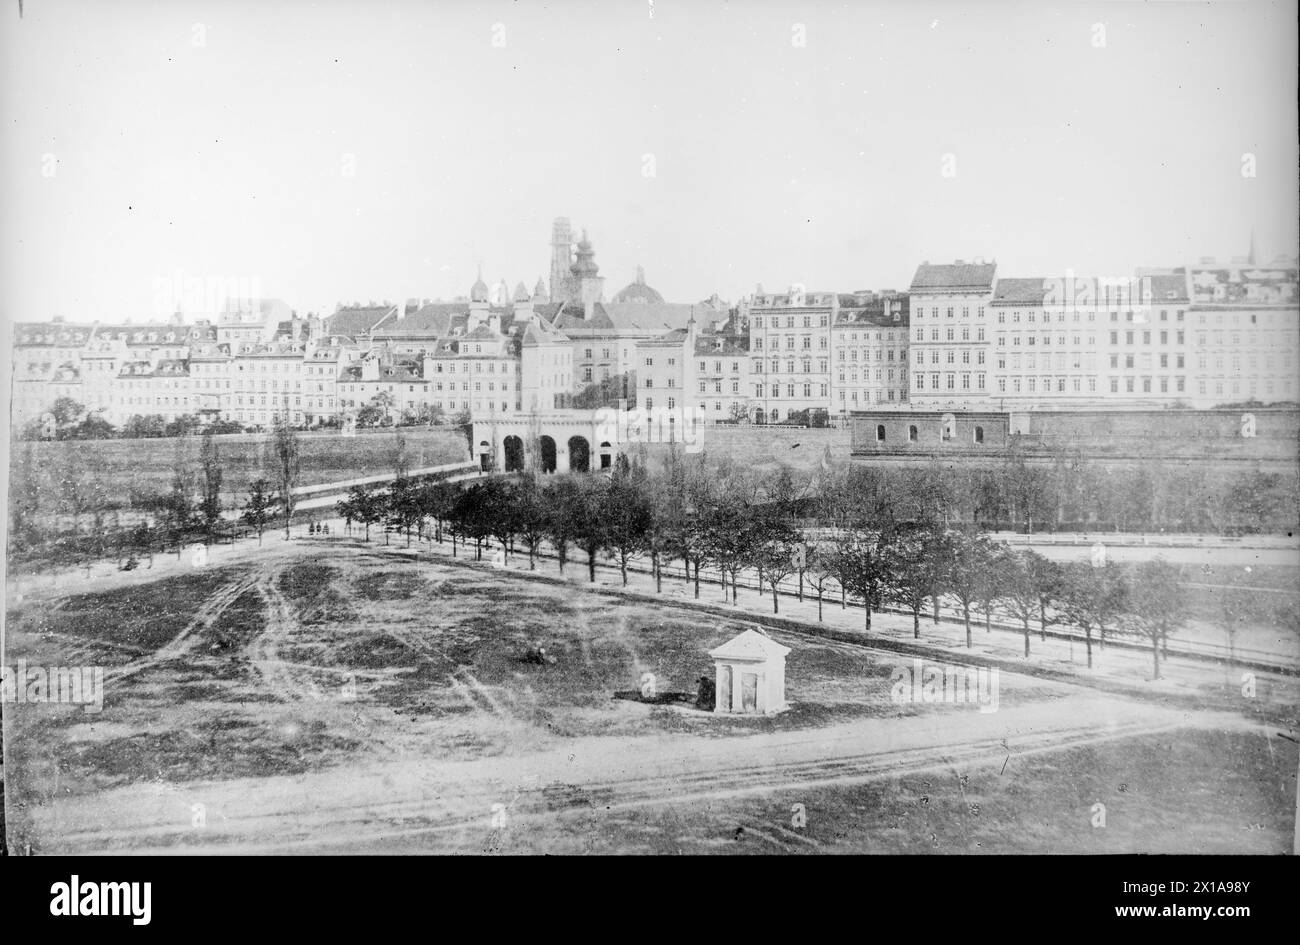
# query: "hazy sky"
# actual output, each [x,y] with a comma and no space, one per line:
[333,151]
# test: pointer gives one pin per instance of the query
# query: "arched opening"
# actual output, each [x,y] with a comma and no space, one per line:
[514,448]
[760,416]
[979,434]
[579,455]
[547,449]
[485,455]
[912,434]
[775,416]
[606,455]
[880,433]
[948,427]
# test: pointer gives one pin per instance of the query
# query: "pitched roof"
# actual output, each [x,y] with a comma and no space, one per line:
[1020,292]
[750,645]
[353,321]
[569,320]
[432,320]
[958,276]
[647,316]
[540,333]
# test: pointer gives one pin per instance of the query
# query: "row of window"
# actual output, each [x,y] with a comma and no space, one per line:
[805,366]
[950,381]
[866,354]
[805,343]
[790,390]
[950,333]
[950,356]
[806,321]
[506,368]
[946,432]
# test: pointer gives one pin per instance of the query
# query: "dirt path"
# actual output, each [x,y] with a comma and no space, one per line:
[448,806]
[191,634]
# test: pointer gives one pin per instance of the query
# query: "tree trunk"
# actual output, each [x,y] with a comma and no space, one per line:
[659,574]
[697,577]
[1155,656]
[819,603]
[934,598]
[1026,619]
[775,608]
[844,600]
[801,587]
[866,609]
[622,567]
[966,613]
[1087,642]
[916,623]
[591,565]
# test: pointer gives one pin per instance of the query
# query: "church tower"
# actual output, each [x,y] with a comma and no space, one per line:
[588,287]
[561,259]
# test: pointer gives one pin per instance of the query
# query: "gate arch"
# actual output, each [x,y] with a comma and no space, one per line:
[547,446]
[579,454]
[514,450]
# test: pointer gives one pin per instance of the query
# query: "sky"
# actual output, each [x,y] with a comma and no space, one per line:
[155,154]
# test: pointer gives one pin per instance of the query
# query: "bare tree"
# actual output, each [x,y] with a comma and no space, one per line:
[287,462]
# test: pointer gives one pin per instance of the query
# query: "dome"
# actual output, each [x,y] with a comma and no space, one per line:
[638,291]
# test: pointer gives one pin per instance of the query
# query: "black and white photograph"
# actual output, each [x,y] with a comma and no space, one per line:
[651,427]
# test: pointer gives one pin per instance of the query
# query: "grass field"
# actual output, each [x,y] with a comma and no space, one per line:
[145,466]
[351,701]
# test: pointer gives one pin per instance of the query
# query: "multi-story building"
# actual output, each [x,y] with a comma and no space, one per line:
[665,374]
[950,328]
[1243,327]
[210,382]
[40,351]
[393,383]
[267,382]
[479,372]
[722,379]
[790,351]
[546,367]
[161,388]
[869,346]
[321,369]
[1083,341]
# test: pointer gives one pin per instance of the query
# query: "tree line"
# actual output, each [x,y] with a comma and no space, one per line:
[727,521]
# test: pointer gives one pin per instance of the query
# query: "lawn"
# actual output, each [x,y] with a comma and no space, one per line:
[337,662]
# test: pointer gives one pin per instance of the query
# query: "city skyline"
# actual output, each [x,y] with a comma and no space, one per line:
[390,154]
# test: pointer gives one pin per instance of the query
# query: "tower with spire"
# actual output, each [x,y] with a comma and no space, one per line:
[588,286]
